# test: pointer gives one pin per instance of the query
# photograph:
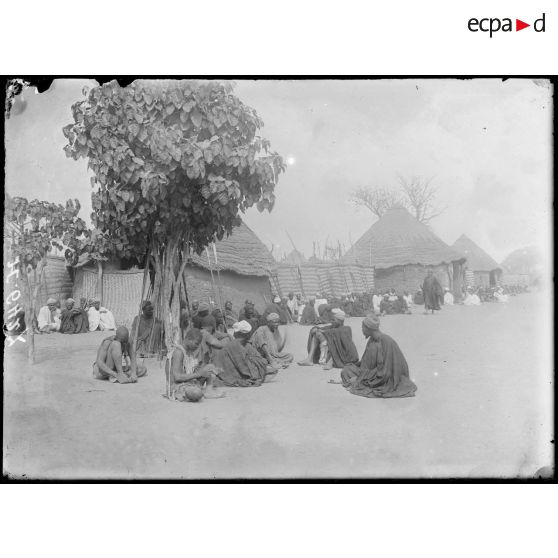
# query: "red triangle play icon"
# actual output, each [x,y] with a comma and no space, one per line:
[519,25]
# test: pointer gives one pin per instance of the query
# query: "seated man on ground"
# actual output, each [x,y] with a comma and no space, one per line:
[382,371]
[308,316]
[250,315]
[116,360]
[230,318]
[331,344]
[269,343]
[150,339]
[386,306]
[272,308]
[471,298]
[418,299]
[48,319]
[220,327]
[500,296]
[72,319]
[189,378]
[99,317]
[239,364]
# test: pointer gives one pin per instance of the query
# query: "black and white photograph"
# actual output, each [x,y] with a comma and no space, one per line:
[242,279]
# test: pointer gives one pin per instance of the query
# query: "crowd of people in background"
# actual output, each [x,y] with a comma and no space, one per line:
[244,348]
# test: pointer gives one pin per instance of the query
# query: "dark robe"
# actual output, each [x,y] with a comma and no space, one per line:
[382,371]
[230,318]
[308,315]
[240,366]
[74,321]
[340,345]
[433,292]
[274,308]
[418,298]
[150,335]
[207,321]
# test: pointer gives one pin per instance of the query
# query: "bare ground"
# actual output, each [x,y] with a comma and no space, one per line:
[483,408]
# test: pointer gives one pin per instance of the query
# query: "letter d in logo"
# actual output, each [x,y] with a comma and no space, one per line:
[539,24]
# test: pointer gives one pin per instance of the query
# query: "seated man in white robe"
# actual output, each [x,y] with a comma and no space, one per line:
[99,317]
[471,298]
[448,298]
[48,319]
[500,296]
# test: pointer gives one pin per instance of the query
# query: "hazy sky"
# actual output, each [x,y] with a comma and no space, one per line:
[486,143]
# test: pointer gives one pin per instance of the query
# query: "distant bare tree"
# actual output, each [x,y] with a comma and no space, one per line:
[377,200]
[418,196]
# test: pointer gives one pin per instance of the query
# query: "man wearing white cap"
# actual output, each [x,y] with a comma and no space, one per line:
[49,317]
[331,344]
[99,317]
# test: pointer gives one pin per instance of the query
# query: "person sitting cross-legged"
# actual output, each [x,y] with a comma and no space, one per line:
[382,371]
[48,319]
[116,359]
[73,319]
[188,377]
[269,343]
[239,364]
[331,344]
[99,317]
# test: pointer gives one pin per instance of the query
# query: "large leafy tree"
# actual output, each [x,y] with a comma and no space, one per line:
[174,163]
[36,228]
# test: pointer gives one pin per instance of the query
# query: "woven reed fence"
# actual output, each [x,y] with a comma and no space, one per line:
[122,291]
[325,278]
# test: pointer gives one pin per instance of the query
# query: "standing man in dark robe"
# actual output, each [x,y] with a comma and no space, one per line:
[433,292]
[72,319]
[331,344]
[382,371]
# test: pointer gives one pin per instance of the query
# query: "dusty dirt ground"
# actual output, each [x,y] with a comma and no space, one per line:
[483,409]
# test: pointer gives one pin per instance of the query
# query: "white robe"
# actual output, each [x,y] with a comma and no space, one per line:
[102,319]
[45,318]
[472,300]
[500,297]
[376,299]
[448,299]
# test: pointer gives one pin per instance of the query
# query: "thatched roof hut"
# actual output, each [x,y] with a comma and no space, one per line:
[400,248]
[477,258]
[245,268]
[242,252]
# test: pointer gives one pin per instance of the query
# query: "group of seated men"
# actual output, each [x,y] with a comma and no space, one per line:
[88,316]
[207,359]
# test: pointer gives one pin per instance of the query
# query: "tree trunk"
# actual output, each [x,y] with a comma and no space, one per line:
[100,280]
[29,317]
[169,263]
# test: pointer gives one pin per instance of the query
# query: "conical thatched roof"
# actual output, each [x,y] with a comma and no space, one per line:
[242,252]
[399,239]
[477,258]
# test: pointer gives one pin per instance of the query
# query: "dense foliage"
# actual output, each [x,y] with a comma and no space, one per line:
[36,228]
[174,163]
[171,158]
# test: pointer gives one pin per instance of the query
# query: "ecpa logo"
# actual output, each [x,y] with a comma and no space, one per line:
[494,24]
